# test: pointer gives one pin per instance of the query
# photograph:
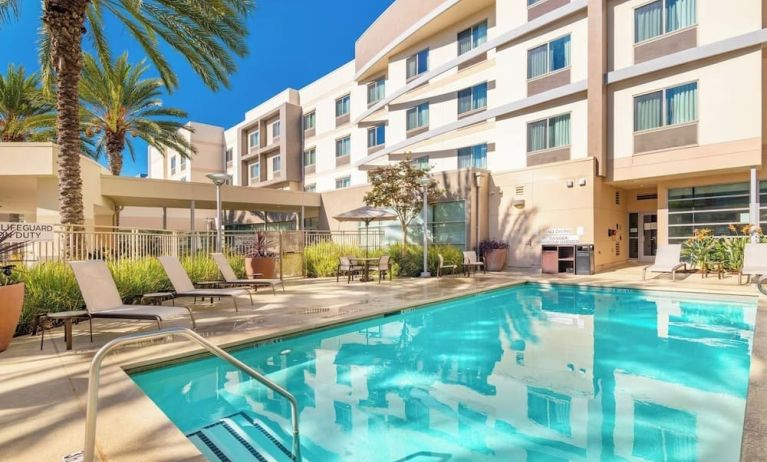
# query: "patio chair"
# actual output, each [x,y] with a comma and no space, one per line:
[346,268]
[754,262]
[667,260]
[232,279]
[184,287]
[443,266]
[102,300]
[470,261]
[383,268]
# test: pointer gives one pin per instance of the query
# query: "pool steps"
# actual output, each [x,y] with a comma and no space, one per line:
[239,437]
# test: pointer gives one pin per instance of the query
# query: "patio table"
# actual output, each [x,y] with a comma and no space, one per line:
[366,277]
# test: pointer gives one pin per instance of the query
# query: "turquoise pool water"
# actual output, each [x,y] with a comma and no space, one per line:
[531,373]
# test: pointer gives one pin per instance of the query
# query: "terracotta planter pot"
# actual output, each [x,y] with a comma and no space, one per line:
[267,266]
[495,259]
[11,301]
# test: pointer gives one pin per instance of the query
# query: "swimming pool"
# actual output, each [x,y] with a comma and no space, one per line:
[528,373]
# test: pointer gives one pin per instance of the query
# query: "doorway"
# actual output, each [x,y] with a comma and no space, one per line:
[643,236]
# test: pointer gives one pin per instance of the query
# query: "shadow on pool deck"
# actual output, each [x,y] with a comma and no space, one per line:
[43,392]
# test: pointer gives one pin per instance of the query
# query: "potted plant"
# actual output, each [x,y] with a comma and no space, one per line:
[11,291]
[494,254]
[259,259]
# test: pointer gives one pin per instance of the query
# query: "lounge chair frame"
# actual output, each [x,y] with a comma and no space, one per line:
[184,287]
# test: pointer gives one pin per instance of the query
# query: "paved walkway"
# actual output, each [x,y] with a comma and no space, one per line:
[42,393]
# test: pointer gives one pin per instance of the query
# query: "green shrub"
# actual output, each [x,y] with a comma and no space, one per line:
[410,261]
[137,277]
[201,268]
[50,286]
[731,250]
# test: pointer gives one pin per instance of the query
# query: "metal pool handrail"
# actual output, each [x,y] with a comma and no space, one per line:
[95,374]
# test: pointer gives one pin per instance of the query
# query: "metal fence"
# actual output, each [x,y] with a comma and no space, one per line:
[78,243]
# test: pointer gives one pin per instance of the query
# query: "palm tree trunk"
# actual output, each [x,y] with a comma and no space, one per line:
[65,21]
[115,145]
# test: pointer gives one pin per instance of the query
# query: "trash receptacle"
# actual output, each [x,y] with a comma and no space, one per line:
[584,259]
[549,260]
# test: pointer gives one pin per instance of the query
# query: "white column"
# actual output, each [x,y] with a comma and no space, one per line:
[754,206]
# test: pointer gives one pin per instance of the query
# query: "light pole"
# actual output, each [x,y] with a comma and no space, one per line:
[425,182]
[218,179]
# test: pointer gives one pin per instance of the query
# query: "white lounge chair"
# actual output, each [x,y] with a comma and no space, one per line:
[102,300]
[471,262]
[754,261]
[667,260]
[231,278]
[184,287]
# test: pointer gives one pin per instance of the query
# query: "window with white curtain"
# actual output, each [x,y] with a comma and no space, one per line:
[276,127]
[670,106]
[342,105]
[173,165]
[550,133]
[473,156]
[472,99]
[310,157]
[254,138]
[376,91]
[343,146]
[376,135]
[471,38]
[254,173]
[310,120]
[344,182]
[276,165]
[229,155]
[550,57]
[662,17]
[418,116]
[418,63]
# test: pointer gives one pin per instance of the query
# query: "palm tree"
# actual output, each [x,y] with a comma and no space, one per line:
[118,104]
[25,113]
[206,32]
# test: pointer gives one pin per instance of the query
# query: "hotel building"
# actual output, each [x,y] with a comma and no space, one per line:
[619,123]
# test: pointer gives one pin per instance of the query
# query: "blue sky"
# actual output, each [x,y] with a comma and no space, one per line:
[291,43]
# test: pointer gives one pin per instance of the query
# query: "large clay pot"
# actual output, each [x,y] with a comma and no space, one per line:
[267,266]
[11,301]
[495,259]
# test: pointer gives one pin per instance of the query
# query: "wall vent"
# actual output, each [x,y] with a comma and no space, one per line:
[617,198]
[519,191]
[618,249]
[647,197]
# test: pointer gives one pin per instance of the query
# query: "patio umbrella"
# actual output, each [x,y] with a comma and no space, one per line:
[366,214]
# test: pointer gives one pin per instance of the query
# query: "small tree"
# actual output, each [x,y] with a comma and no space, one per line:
[398,187]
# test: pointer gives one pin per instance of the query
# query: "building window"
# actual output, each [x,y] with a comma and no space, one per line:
[254,173]
[310,157]
[229,155]
[343,146]
[173,165]
[344,182]
[662,17]
[448,223]
[418,117]
[254,139]
[713,207]
[550,133]
[312,187]
[551,57]
[472,37]
[472,99]
[276,127]
[376,91]
[671,106]
[473,157]
[183,179]
[182,164]
[342,105]
[309,120]
[276,165]
[421,163]
[376,135]
[418,63]
[667,434]
[552,410]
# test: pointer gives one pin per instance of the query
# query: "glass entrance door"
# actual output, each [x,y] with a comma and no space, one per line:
[648,236]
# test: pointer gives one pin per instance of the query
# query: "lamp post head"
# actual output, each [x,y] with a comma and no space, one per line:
[218,179]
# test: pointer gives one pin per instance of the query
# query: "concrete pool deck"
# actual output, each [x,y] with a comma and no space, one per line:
[42,393]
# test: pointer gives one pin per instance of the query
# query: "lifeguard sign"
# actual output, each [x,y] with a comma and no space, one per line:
[26,232]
